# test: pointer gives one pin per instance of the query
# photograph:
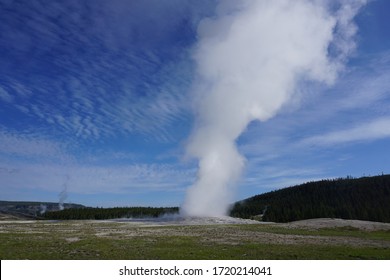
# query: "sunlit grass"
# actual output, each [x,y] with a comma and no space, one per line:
[84,240]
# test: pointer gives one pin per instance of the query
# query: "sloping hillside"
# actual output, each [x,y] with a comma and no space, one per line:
[30,209]
[366,198]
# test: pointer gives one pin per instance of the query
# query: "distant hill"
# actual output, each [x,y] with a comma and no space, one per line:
[95,213]
[11,210]
[30,209]
[366,198]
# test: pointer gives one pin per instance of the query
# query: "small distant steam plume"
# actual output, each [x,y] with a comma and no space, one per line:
[42,209]
[251,57]
[63,194]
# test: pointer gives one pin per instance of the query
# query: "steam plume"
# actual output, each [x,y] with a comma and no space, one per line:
[251,57]
[63,194]
[42,209]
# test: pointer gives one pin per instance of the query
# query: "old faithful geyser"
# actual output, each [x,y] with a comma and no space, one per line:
[250,59]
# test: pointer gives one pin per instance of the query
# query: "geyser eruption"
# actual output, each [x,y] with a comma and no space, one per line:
[63,194]
[251,57]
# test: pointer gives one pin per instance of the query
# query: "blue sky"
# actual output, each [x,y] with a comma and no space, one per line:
[95,98]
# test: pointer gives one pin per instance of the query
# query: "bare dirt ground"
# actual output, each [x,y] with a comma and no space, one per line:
[334,223]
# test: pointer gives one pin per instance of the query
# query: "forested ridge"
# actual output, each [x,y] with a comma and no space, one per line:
[92,213]
[366,198]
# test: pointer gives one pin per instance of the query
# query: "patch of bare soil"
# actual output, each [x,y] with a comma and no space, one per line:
[334,223]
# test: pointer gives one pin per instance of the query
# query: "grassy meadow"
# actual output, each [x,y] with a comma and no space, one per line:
[120,240]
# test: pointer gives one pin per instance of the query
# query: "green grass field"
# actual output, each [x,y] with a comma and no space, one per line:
[113,240]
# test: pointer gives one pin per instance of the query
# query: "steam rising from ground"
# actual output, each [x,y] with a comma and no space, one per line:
[63,194]
[251,58]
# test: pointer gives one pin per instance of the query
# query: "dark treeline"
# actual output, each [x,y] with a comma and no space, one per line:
[366,198]
[109,213]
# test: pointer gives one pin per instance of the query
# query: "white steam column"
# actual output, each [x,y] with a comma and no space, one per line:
[251,57]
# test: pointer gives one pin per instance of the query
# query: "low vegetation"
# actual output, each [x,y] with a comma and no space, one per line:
[124,240]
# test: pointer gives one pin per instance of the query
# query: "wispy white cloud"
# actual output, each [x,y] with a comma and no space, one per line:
[367,131]
[29,146]
[5,96]
[278,172]
[31,163]
[92,179]
[87,107]
[119,85]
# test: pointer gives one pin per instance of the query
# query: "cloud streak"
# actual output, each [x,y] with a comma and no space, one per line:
[86,111]
[94,179]
[369,131]
[29,146]
[5,96]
